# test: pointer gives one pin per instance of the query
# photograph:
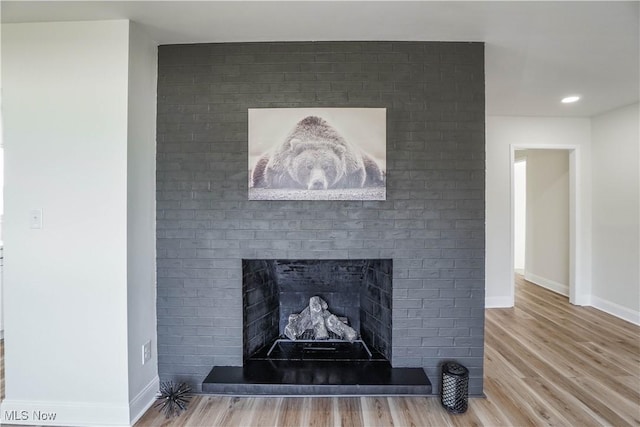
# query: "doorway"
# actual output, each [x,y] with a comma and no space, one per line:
[551,244]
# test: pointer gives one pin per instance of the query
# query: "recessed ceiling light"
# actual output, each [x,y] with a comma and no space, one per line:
[570,99]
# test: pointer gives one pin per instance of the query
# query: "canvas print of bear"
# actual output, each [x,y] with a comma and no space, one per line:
[317,153]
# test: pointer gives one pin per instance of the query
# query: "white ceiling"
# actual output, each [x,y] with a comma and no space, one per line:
[536,52]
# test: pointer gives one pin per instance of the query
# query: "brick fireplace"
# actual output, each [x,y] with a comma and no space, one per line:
[431,225]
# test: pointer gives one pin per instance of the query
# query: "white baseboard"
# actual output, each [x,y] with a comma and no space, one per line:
[582,299]
[559,288]
[63,413]
[616,310]
[498,302]
[79,414]
[143,401]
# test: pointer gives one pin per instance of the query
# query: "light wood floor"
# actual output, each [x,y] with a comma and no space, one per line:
[546,363]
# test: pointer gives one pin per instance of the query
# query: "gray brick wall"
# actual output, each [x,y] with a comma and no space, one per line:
[431,225]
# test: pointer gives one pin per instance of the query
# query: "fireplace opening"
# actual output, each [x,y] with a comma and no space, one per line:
[279,296]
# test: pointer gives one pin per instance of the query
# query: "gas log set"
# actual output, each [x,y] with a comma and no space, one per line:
[316,322]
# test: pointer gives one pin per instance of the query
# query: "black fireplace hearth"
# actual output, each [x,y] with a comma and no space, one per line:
[317,368]
[309,377]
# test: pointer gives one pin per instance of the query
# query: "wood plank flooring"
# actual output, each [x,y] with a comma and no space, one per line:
[546,363]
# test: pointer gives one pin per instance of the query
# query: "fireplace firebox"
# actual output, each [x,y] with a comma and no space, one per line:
[358,290]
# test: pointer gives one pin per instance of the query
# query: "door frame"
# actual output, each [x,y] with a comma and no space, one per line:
[577,291]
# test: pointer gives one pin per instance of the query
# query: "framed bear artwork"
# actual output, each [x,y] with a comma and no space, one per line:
[317,153]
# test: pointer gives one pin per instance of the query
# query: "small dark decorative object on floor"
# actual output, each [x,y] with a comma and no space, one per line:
[455,387]
[173,398]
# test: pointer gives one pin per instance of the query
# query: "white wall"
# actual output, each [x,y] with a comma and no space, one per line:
[547,225]
[141,224]
[503,132]
[67,302]
[1,196]
[616,212]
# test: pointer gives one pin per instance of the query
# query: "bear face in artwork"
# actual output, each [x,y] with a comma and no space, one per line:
[315,156]
[317,169]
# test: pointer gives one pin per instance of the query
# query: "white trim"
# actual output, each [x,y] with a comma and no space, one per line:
[512,227]
[559,288]
[616,310]
[498,302]
[79,414]
[143,401]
